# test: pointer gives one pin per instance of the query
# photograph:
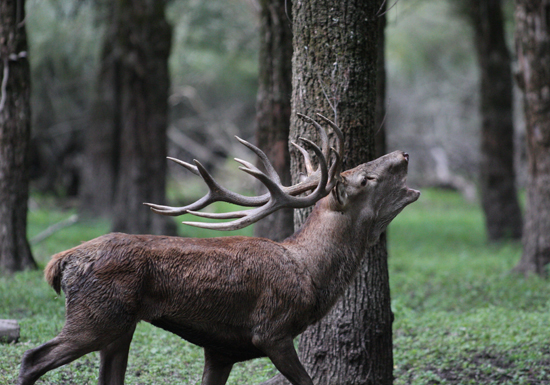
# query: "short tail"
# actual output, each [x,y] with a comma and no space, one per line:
[54,270]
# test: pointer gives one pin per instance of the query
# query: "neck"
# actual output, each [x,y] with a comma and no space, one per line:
[331,245]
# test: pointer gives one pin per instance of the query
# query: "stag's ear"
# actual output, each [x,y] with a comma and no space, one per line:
[339,192]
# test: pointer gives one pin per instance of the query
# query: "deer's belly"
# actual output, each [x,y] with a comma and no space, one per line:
[229,342]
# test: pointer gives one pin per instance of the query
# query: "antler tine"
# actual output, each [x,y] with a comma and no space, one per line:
[228,215]
[334,172]
[188,166]
[307,160]
[320,130]
[263,157]
[338,132]
[247,165]
[250,217]
[336,167]
[321,188]
[175,211]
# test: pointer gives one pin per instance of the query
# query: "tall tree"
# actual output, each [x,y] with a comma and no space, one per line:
[273,105]
[15,115]
[499,199]
[533,53]
[127,145]
[335,58]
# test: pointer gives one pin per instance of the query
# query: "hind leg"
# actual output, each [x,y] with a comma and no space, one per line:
[54,353]
[72,343]
[114,358]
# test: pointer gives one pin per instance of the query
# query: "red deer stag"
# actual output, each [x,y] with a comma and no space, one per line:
[237,297]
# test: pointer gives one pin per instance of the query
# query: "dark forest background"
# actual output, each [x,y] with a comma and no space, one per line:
[432,88]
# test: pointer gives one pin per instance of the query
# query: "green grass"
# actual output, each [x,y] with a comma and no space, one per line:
[461,317]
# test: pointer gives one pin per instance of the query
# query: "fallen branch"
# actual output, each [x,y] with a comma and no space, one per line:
[54,229]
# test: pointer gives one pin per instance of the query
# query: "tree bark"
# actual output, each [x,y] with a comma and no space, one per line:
[15,115]
[499,200]
[273,105]
[533,52]
[380,120]
[335,56]
[127,139]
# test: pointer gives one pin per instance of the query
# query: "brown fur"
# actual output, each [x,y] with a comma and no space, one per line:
[237,297]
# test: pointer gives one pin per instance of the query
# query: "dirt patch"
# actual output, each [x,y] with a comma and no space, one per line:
[484,368]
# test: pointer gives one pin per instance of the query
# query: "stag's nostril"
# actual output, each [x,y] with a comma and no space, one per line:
[406,156]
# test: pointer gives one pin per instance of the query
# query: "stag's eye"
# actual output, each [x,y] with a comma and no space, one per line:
[366,179]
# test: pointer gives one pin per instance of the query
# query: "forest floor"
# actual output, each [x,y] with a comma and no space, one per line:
[461,315]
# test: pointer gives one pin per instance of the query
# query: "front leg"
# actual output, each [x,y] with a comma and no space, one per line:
[284,357]
[216,368]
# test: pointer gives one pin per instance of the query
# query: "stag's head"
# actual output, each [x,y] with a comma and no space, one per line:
[374,191]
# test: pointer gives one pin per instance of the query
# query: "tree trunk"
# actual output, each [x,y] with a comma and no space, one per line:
[497,176]
[335,56]
[144,36]
[15,115]
[126,145]
[273,106]
[102,142]
[533,51]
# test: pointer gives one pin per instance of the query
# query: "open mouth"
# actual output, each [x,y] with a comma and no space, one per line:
[411,193]
[414,192]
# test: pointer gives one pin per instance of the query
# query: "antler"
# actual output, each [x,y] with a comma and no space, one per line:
[321,181]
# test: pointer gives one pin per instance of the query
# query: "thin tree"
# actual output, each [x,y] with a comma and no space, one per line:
[335,58]
[15,115]
[127,144]
[533,55]
[499,198]
[273,105]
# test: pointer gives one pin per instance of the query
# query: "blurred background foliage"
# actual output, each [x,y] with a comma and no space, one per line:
[432,91]
[213,67]
[215,47]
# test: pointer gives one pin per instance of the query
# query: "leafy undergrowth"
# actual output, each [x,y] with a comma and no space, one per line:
[461,316]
